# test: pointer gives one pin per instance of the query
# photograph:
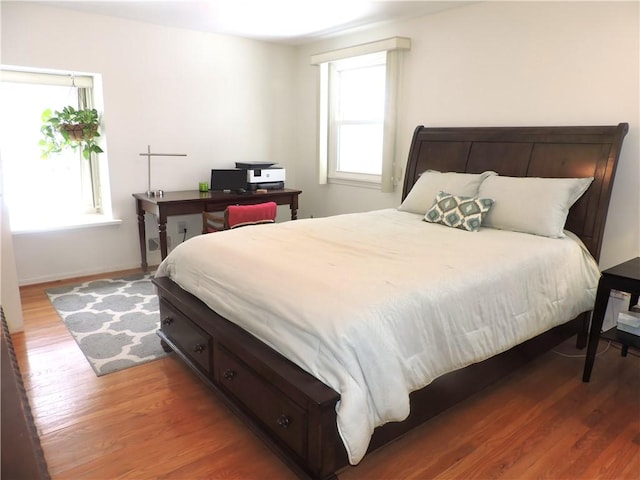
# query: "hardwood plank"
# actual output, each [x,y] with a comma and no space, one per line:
[159,421]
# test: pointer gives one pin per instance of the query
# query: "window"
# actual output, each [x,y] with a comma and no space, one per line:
[357,113]
[63,190]
[356,117]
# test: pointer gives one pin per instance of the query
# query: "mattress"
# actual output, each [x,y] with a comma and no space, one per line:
[379,304]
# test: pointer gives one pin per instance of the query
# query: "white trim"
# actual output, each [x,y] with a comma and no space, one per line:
[387,180]
[323,133]
[393,43]
[86,221]
[352,182]
[55,277]
[60,79]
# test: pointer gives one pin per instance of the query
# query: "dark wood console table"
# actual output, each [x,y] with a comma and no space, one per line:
[193,201]
[626,278]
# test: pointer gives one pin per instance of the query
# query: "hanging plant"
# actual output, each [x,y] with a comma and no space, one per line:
[70,128]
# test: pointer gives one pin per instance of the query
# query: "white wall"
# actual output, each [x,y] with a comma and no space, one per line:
[502,63]
[221,99]
[217,98]
[9,292]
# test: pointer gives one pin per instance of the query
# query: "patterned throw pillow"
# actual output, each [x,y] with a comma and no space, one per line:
[465,213]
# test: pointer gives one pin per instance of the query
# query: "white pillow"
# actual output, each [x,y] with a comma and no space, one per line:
[530,204]
[422,195]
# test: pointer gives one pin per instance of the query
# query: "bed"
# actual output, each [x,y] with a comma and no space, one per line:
[399,343]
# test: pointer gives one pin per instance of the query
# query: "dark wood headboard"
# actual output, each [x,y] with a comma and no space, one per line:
[529,152]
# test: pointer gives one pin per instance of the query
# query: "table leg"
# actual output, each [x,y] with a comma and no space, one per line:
[583,335]
[162,230]
[142,236]
[294,207]
[599,310]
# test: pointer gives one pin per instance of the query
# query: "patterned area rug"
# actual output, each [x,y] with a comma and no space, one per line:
[113,320]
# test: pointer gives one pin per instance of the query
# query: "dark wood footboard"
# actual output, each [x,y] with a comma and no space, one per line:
[290,410]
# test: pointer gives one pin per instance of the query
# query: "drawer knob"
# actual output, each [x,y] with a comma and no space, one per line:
[199,348]
[167,321]
[284,421]
[229,374]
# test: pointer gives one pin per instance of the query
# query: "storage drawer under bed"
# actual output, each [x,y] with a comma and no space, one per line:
[194,342]
[272,408]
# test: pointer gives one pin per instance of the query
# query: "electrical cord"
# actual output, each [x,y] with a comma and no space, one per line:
[582,355]
[609,344]
[630,351]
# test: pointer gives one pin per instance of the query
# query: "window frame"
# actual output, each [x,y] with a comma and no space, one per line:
[335,122]
[95,206]
[391,174]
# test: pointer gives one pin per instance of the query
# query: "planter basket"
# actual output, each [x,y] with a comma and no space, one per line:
[79,131]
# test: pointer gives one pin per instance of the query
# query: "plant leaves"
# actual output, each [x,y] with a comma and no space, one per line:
[55,137]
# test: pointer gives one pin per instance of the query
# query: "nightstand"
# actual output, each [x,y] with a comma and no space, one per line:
[626,278]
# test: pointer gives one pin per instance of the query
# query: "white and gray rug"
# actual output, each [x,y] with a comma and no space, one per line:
[113,320]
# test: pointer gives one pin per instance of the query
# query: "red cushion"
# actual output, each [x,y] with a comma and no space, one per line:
[249,214]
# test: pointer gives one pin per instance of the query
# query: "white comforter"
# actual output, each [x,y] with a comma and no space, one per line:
[379,304]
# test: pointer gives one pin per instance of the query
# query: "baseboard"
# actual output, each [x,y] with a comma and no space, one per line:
[54,277]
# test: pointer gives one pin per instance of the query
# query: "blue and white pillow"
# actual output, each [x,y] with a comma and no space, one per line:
[457,211]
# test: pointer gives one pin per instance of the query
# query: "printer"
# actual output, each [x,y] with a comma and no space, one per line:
[267,176]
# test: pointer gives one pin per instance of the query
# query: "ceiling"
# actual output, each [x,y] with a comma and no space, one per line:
[286,21]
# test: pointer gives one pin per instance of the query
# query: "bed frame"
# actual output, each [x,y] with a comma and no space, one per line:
[293,412]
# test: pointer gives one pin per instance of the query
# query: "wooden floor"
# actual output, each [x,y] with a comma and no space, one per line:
[159,421]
